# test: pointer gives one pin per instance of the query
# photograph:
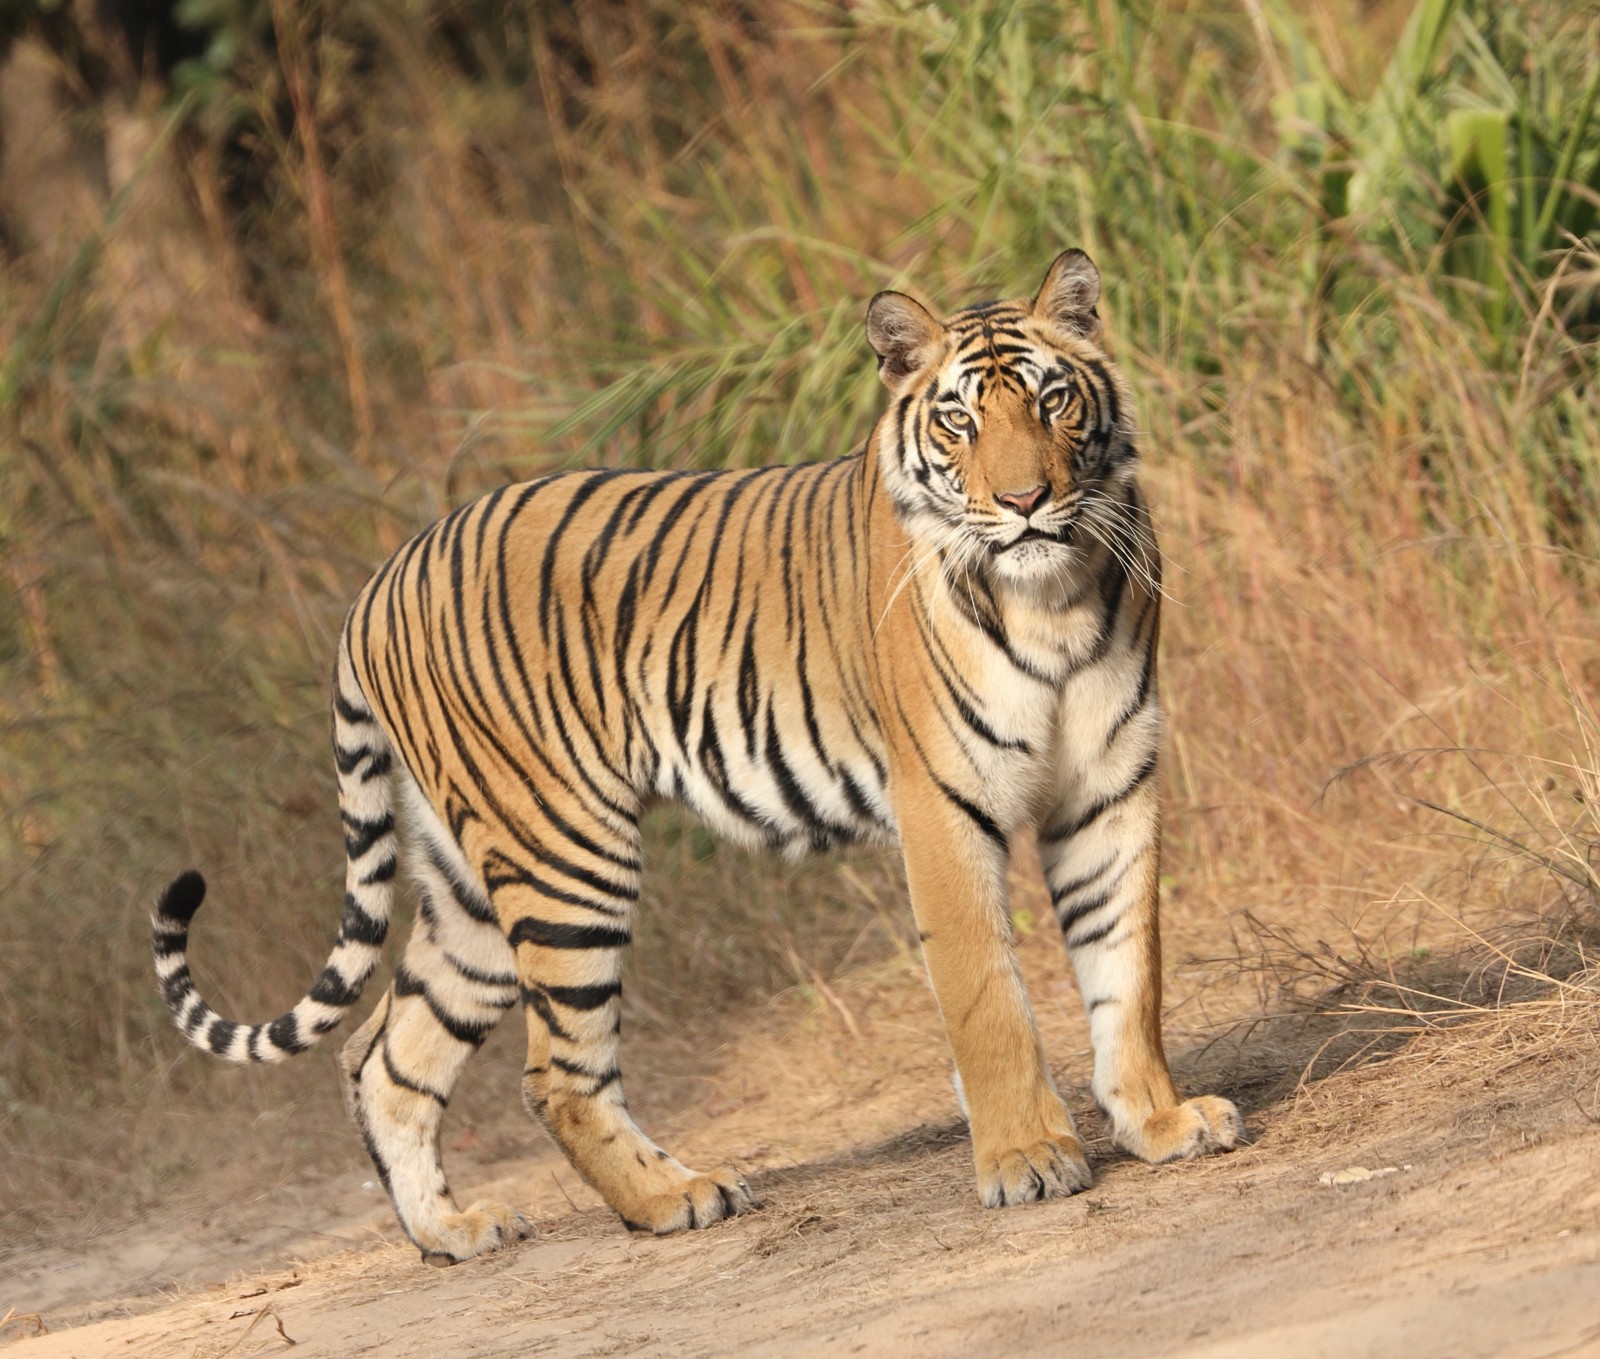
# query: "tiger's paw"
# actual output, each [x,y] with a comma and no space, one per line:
[1205,1124]
[1051,1168]
[698,1201]
[483,1228]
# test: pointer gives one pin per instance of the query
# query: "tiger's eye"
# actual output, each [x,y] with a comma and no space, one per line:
[1053,400]
[956,421]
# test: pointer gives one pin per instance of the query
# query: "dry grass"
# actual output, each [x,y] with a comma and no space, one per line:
[644,233]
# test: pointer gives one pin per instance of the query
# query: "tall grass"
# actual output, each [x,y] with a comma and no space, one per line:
[483,241]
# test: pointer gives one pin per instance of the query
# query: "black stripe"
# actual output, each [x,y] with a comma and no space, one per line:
[475,974]
[786,554]
[1141,695]
[621,891]
[622,625]
[347,760]
[176,988]
[384,872]
[682,675]
[360,836]
[599,549]
[856,796]
[789,789]
[584,997]
[1060,894]
[691,534]
[970,715]
[1105,804]
[581,766]
[398,656]
[164,943]
[471,1032]
[651,557]
[588,621]
[357,927]
[600,1079]
[714,767]
[332,988]
[356,717]
[284,1031]
[521,704]
[981,819]
[906,440]
[987,620]
[379,1164]
[978,816]
[656,484]
[467,895]
[406,1083]
[628,862]
[1108,619]
[221,1035]
[592,482]
[1095,935]
[1073,914]
[749,691]
[808,704]
[551,934]
[534,998]
[501,872]
[507,815]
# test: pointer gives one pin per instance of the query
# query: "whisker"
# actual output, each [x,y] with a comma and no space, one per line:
[1108,522]
[948,533]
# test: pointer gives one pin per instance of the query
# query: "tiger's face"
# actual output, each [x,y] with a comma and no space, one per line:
[1010,436]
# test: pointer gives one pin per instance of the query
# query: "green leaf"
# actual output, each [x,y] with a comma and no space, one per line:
[1478,167]
[1577,138]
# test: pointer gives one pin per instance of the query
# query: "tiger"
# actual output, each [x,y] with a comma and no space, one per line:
[940,641]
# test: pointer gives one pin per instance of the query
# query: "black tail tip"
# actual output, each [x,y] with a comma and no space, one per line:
[183,897]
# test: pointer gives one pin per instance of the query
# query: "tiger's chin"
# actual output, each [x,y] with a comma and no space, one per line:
[1037,564]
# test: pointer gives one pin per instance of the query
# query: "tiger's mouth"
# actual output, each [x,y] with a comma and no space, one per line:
[1062,537]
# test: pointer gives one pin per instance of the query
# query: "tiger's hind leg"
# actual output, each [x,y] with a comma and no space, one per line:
[454,985]
[569,923]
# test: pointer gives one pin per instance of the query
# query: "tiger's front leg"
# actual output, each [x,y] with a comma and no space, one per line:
[1024,1144]
[1101,852]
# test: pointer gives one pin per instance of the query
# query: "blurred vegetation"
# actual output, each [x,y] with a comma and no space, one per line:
[281,282]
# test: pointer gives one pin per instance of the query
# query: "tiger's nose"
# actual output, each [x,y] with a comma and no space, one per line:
[1024,502]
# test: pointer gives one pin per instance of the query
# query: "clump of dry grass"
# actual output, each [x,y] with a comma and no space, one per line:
[1522,984]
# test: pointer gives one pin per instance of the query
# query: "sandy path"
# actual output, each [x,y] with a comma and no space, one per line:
[1485,1241]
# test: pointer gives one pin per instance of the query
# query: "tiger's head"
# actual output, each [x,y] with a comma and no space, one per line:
[1010,436]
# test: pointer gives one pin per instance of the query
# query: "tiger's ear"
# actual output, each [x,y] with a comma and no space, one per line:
[1068,295]
[902,334]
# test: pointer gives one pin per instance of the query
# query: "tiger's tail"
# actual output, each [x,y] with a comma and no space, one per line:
[364,757]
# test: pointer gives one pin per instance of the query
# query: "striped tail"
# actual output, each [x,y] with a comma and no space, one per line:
[366,806]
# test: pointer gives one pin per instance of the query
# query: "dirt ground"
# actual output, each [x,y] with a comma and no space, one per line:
[1479,1235]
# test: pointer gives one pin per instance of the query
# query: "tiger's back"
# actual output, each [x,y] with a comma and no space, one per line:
[687,635]
[940,640]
